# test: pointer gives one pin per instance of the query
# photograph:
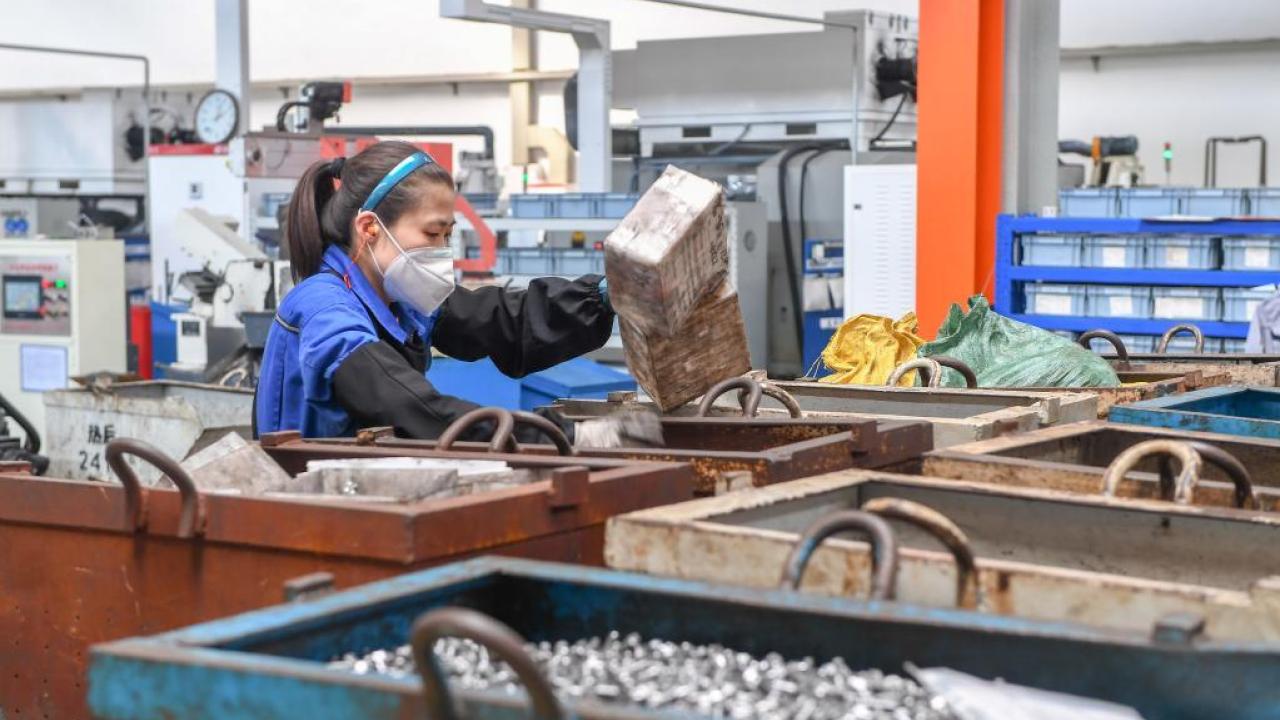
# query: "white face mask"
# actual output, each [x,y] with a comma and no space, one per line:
[421,278]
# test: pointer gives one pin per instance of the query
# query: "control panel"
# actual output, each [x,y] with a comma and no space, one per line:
[36,295]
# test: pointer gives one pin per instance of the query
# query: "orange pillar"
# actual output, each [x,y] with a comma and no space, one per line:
[961,67]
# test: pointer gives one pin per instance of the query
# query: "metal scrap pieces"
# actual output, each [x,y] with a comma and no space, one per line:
[710,680]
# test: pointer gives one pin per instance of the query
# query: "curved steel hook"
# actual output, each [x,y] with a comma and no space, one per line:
[1180,490]
[502,439]
[968,590]
[495,637]
[750,406]
[960,366]
[884,549]
[787,399]
[1225,461]
[1122,352]
[547,428]
[930,368]
[192,520]
[1192,330]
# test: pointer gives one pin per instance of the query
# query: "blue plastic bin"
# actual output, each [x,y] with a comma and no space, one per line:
[1264,202]
[1150,202]
[577,378]
[1215,202]
[1182,252]
[481,382]
[1088,202]
[616,205]
[1119,301]
[1186,303]
[164,333]
[1114,251]
[1050,250]
[573,262]
[1239,304]
[1054,299]
[1250,253]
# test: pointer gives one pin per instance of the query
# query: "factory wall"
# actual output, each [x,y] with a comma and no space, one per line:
[1182,99]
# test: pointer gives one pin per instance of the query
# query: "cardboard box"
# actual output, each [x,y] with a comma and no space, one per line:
[667,252]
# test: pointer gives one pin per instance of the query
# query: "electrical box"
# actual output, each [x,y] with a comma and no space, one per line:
[63,305]
[880,240]
[31,217]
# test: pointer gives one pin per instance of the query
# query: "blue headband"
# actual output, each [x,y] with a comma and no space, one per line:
[393,178]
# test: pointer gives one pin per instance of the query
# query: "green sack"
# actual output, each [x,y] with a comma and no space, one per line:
[1007,353]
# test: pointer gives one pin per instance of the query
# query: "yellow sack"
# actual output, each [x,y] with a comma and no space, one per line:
[866,348]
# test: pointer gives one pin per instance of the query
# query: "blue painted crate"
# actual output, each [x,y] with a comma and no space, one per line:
[270,664]
[1088,203]
[1232,410]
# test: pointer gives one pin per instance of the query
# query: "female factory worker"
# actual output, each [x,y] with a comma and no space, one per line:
[368,239]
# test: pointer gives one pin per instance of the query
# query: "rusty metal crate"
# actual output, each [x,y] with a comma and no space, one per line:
[270,664]
[1144,385]
[79,567]
[1073,458]
[733,453]
[956,415]
[1039,553]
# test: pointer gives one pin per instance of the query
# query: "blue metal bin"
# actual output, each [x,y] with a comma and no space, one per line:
[1232,410]
[271,663]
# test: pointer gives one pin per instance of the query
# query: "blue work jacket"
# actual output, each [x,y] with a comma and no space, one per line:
[338,358]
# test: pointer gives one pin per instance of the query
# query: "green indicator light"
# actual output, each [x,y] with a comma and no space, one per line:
[1168,154]
[60,284]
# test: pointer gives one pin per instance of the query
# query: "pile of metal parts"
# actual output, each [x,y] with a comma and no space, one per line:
[711,680]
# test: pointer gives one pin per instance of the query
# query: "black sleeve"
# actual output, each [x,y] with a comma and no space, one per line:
[377,386]
[524,331]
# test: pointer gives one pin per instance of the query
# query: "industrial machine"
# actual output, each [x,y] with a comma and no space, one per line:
[1113,160]
[63,315]
[783,135]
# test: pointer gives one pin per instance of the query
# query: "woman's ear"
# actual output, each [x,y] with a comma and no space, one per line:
[366,229]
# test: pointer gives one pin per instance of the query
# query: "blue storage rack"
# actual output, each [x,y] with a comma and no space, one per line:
[1010,276]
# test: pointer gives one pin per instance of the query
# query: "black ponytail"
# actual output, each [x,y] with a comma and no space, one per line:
[321,210]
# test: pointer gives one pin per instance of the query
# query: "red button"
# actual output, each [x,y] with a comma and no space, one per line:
[46,283]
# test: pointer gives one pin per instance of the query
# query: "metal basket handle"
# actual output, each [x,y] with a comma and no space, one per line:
[1122,352]
[502,439]
[192,520]
[968,590]
[497,638]
[930,368]
[884,549]
[1178,489]
[1225,461]
[547,428]
[787,399]
[1188,328]
[750,404]
[960,366]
